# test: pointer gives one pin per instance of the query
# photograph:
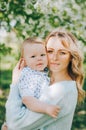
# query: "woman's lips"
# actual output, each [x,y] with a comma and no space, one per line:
[54,64]
[39,64]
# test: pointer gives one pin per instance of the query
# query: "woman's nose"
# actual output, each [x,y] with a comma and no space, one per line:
[55,56]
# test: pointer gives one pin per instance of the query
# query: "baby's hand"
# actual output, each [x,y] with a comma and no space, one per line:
[52,110]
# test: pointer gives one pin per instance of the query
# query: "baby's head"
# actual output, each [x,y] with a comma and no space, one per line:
[33,52]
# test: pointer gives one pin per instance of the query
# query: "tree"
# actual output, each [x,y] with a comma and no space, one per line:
[37,18]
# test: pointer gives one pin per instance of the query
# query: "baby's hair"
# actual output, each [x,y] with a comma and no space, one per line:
[30,41]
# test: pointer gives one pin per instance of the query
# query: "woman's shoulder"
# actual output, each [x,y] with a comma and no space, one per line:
[67,83]
[63,89]
[70,84]
[64,86]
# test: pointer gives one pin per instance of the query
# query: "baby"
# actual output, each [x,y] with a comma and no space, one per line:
[25,93]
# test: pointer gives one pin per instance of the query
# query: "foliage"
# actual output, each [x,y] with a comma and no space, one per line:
[6,51]
[36,17]
[2,109]
[80,117]
[5,79]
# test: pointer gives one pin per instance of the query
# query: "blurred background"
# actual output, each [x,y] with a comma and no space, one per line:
[22,18]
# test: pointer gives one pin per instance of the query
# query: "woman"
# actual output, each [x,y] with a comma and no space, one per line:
[62,45]
[65,64]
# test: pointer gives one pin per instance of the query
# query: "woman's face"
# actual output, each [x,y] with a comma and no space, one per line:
[58,55]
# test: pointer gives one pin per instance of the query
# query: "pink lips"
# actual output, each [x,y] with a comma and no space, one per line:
[54,64]
[39,64]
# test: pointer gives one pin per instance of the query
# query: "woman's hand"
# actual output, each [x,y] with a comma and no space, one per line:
[17,71]
[4,127]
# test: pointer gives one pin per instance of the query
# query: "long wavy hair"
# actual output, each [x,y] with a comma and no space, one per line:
[75,67]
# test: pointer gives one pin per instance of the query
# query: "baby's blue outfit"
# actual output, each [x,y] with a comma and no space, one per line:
[31,83]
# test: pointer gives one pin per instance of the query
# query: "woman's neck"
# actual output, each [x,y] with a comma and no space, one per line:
[60,76]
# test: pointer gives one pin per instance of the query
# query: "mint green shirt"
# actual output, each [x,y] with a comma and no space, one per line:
[64,94]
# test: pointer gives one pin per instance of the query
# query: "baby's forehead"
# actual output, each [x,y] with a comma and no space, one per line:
[34,47]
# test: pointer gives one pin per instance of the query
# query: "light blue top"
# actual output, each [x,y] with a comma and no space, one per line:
[31,83]
[63,93]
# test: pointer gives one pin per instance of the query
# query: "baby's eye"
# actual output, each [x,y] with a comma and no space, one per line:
[49,51]
[33,56]
[43,54]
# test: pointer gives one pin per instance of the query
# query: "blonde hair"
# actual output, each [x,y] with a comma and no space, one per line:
[75,68]
[30,40]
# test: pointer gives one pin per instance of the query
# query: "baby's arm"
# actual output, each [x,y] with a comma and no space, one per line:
[38,106]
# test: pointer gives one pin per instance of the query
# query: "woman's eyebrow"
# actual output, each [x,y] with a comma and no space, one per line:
[50,48]
[66,50]
[62,49]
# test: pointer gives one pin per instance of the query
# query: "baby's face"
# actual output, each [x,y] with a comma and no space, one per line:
[35,56]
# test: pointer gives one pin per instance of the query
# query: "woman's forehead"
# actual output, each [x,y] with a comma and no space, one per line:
[56,43]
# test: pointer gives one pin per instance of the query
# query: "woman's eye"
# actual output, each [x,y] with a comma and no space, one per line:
[33,56]
[49,51]
[62,53]
[43,54]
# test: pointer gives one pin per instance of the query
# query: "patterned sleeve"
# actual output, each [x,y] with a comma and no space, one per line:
[26,86]
[32,83]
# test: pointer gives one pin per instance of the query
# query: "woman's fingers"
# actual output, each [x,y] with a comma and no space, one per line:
[17,71]
[18,64]
[21,63]
[4,127]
